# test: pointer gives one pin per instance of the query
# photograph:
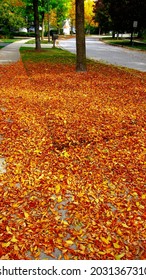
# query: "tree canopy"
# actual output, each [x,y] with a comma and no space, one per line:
[11,15]
[120,15]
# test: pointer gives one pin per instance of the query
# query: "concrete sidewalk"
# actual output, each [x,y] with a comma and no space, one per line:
[10,53]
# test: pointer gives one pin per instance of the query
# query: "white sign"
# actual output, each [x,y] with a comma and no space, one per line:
[135,23]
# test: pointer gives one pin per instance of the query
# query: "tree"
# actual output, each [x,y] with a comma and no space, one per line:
[11,15]
[102,17]
[72,15]
[62,11]
[36,23]
[89,13]
[46,8]
[80,37]
[122,13]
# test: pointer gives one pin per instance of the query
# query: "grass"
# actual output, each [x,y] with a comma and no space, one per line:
[141,45]
[9,41]
[42,42]
[53,55]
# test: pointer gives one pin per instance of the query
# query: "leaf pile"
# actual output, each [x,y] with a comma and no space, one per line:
[74,146]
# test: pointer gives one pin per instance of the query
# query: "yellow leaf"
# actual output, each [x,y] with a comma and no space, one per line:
[101,253]
[16,248]
[7,244]
[80,194]
[15,205]
[118,257]
[8,230]
[137,204]
[69,242]
[82,247]
[119,232]
[90,248]
[13,239]
[57,189]
[134,194]
[143,196]
[65,154]
[32,197]
[37,151]
[116,245]
[64,222]
[26,214]
[124,225]
[106,240]
[59,199]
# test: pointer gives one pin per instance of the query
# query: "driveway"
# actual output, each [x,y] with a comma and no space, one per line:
[97,50]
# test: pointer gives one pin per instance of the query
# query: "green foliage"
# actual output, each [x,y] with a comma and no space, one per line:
[60,7]
[11,17]
[121,14]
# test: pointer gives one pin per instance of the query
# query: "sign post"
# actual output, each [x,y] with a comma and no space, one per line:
[135,24]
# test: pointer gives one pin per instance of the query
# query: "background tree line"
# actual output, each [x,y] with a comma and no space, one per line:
[119,16]
[15,14]
[108,15]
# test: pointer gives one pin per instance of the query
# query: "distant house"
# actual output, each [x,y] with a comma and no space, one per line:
[66,27]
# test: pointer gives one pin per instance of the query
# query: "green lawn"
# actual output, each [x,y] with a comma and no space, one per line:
[49,55]
[42,42]
[8,41]
[137,44]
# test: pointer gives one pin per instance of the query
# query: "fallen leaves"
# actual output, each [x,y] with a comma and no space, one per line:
[74,146]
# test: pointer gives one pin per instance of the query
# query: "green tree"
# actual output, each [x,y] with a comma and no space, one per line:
[11,15]
[102,16]
[122,13]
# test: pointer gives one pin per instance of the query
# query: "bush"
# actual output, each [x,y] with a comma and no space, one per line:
[144,34]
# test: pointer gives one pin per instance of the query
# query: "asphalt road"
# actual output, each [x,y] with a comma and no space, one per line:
[100,51]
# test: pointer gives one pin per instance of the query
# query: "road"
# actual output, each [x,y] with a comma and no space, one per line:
[97,50]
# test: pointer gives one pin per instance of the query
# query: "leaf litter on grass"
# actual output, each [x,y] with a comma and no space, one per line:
[74,146]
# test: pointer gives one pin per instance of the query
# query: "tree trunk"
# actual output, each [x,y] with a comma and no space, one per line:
[80,37]
[43,26]
[36,24]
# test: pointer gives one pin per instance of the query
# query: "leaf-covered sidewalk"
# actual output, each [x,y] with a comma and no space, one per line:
[73,185]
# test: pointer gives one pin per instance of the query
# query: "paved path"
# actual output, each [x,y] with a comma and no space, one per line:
[10,53]
[100,51]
